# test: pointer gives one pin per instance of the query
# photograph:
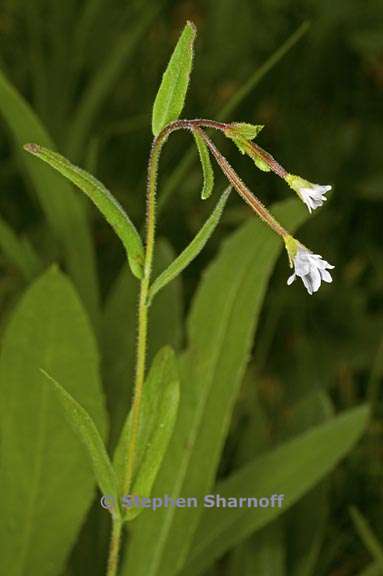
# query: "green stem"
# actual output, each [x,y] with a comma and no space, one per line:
[143,309]
[143,306]
[114,549]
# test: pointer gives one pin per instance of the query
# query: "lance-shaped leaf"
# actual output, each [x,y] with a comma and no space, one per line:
[265,552]
[306,522]
[46,482]
[102,198]
[193,249]
[207,169]
[158,414]
[289,470]
[85,428]
[171,95]
[63,208]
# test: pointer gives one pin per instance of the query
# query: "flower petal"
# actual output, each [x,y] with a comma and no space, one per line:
[311,268]
[307,283]
[315,279]
[291,279]
[313,195]
[325,189]
[326,276]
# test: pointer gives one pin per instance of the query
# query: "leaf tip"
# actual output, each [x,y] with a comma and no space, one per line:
[32,148]
[53,273]
[192,26]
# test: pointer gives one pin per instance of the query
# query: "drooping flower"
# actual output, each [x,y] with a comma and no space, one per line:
[311,268]
[313,195]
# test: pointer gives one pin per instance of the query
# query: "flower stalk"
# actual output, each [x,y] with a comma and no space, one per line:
[242,189]
[268,159]
[313,195]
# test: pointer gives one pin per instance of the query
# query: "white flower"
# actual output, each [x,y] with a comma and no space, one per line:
[314,195]
[311,268]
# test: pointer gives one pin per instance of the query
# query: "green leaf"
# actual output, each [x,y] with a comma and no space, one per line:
[264,553]
[19,252]
[45,478]
[171,95]
[207,169]
[120,331]
[221,328]
[306,521]
[158,413]
[193,249]
[63,209]
[268,554]
[367,536]
[102,198]
[244,130]
[261,164]
[86,430]
[291,469]
[240,143]
[242,146]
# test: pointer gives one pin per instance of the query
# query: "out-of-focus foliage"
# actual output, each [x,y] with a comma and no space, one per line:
[91,69]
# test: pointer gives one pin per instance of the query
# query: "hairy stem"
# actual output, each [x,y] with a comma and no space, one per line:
[114,546]
[143,310]
[143,306]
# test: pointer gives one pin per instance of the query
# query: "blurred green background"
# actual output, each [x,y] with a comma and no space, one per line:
[91,70]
